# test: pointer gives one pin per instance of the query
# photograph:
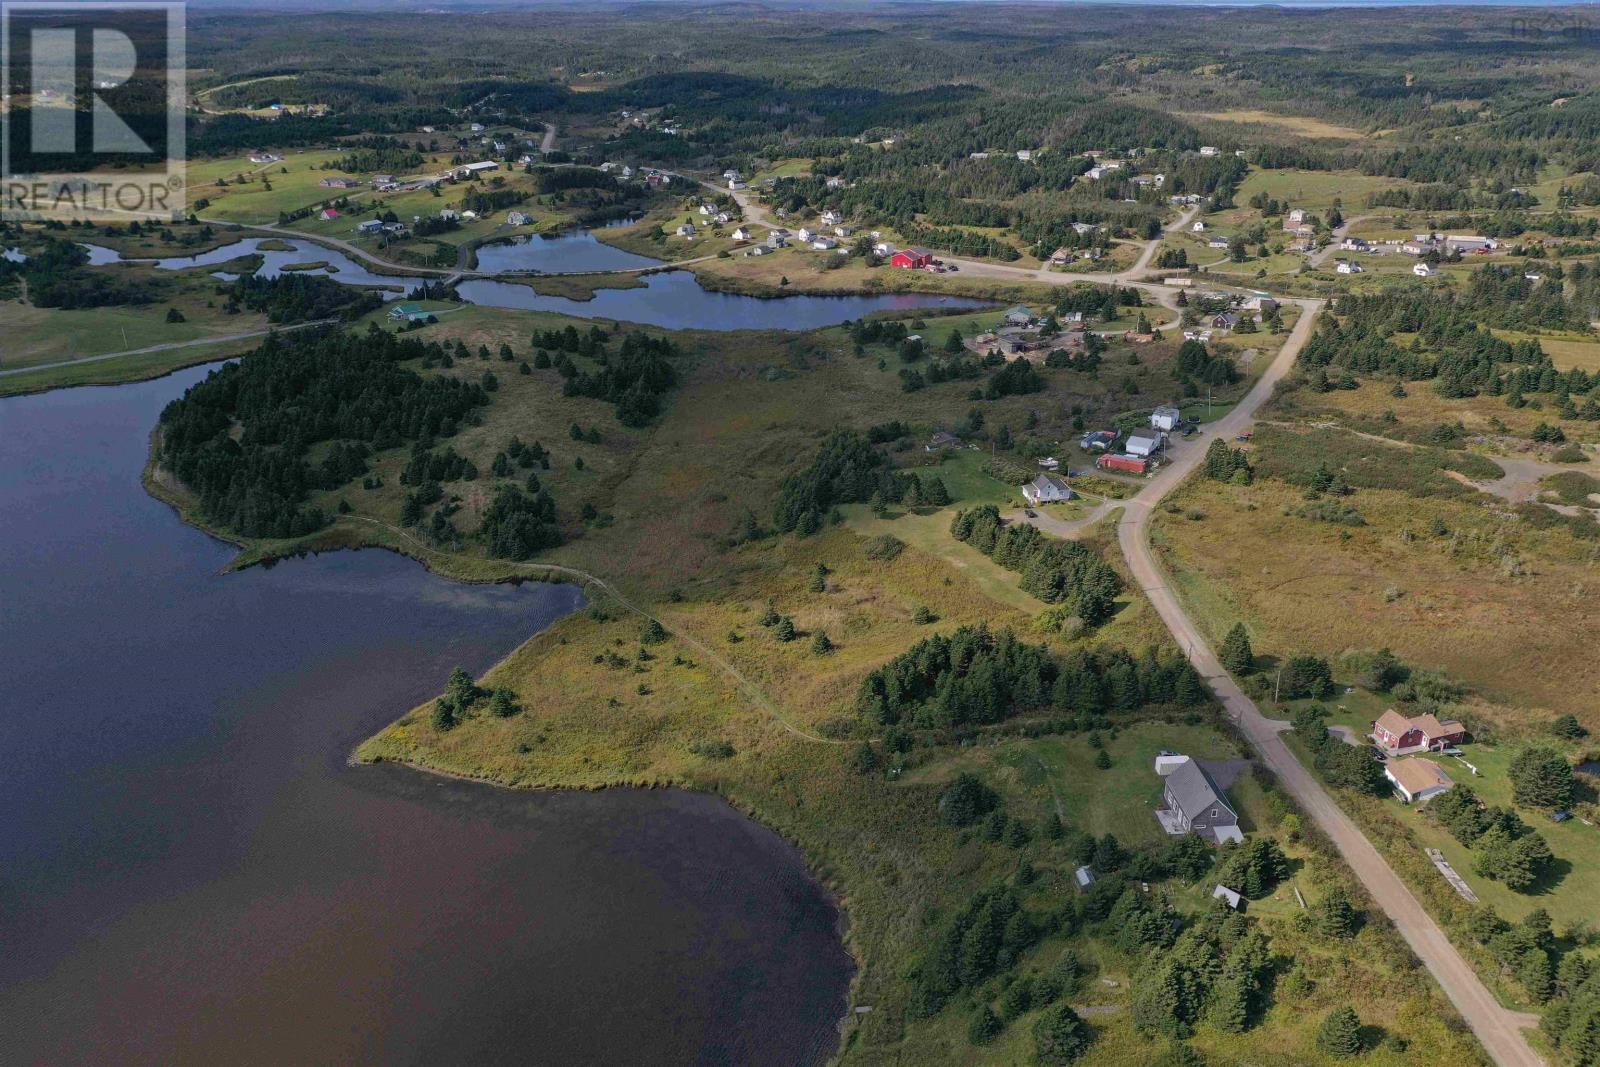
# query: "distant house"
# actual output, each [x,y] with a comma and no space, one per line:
[1047,489]
[1400,736]
[1294,219]
[1084,877]
[1225,321]
[1417,778]
[1210,150]
[262,156]
[686,230]
[824,244]
[831,218]
[409,313]
[482,167]
[759,250]
[518,218]
[1217,242]
[1230,897]
[383,179]
[911,258]
[1166,418]
[370,226]
[1345,266]
[1098,440]
[1019,316]
[1424,270]
[1198,227]
[1144,444]
[834,183]
[883,248]
[338,183]
[735,185]
[741,233]
[806,235]
[1192,803]
[328,214]
[941,441]
[1050,463]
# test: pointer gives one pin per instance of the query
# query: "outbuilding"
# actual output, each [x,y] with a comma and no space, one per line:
[911,259]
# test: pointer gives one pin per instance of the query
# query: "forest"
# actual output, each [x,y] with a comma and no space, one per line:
[240,439]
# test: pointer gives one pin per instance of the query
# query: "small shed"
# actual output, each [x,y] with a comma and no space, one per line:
[1232,897]
[1084,877]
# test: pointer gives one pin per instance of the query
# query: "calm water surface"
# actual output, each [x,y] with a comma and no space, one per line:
[672,301]
[190,874]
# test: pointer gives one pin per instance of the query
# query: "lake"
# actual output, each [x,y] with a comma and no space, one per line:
[672,300]
[191,874]
[578,250]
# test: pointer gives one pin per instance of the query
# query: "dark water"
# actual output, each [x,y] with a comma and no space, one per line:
[189,873]
[579,250]
[673,300]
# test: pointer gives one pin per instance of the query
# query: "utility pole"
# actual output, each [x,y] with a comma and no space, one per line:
[1277,685]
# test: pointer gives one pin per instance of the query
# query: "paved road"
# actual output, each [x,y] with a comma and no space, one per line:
[169,346]
[1498,1028]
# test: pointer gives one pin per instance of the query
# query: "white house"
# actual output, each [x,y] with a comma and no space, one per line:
[1210,150]
[1144,444]
[1166,418]
[686,230]
[1047,489]
[1346,266]
[1198,227]
[831,218]
[1424,270]
[1025,154]
[518,218]
[741,233]
[1050,463]
[806,235]
[370,226]
[824,244]
[883,248]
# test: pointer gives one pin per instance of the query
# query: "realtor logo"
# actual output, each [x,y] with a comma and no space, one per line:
[92,103]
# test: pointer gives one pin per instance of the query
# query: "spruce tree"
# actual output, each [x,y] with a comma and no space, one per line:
[1340,1034]
[784,629]
[1060,1036]
[1237,655]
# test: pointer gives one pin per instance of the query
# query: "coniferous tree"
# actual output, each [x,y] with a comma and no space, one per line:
[1340,1034]
[1237,654]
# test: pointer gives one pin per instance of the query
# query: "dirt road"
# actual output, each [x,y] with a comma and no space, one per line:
[1498,1028]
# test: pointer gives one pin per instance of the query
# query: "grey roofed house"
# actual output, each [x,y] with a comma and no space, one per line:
[1192,803]
[943,439]
[1047,488]
[1233,897]
[1084,876]
[1019,315]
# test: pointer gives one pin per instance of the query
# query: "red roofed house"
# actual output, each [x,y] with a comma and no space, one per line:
[327,213]
[1398,735]
[911,258]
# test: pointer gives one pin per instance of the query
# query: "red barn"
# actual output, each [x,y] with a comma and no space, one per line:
[1127,464]
[911,258]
